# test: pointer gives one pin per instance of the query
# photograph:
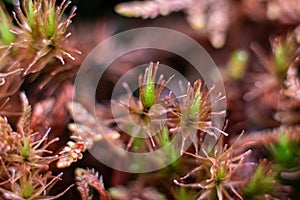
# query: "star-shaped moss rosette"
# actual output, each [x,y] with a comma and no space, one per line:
[285,155]
[275,89]
[196,115]
[25,160]
[147,113]
[23,146]
[276,65]
[31,47]
[217,174]
[262,183]
[189,114]
[41,34]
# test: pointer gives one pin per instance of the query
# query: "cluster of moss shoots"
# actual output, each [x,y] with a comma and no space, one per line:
[37,36]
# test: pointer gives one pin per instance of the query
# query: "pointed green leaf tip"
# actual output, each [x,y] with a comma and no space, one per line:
[280,57]
[237,64]
[259,184]
[27,190]
[283,152]
[196,103]
[30,14]
[50,23]
[148,90]
[6,35]
[164,138]
[220,174]
[25,151]
[283,53]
